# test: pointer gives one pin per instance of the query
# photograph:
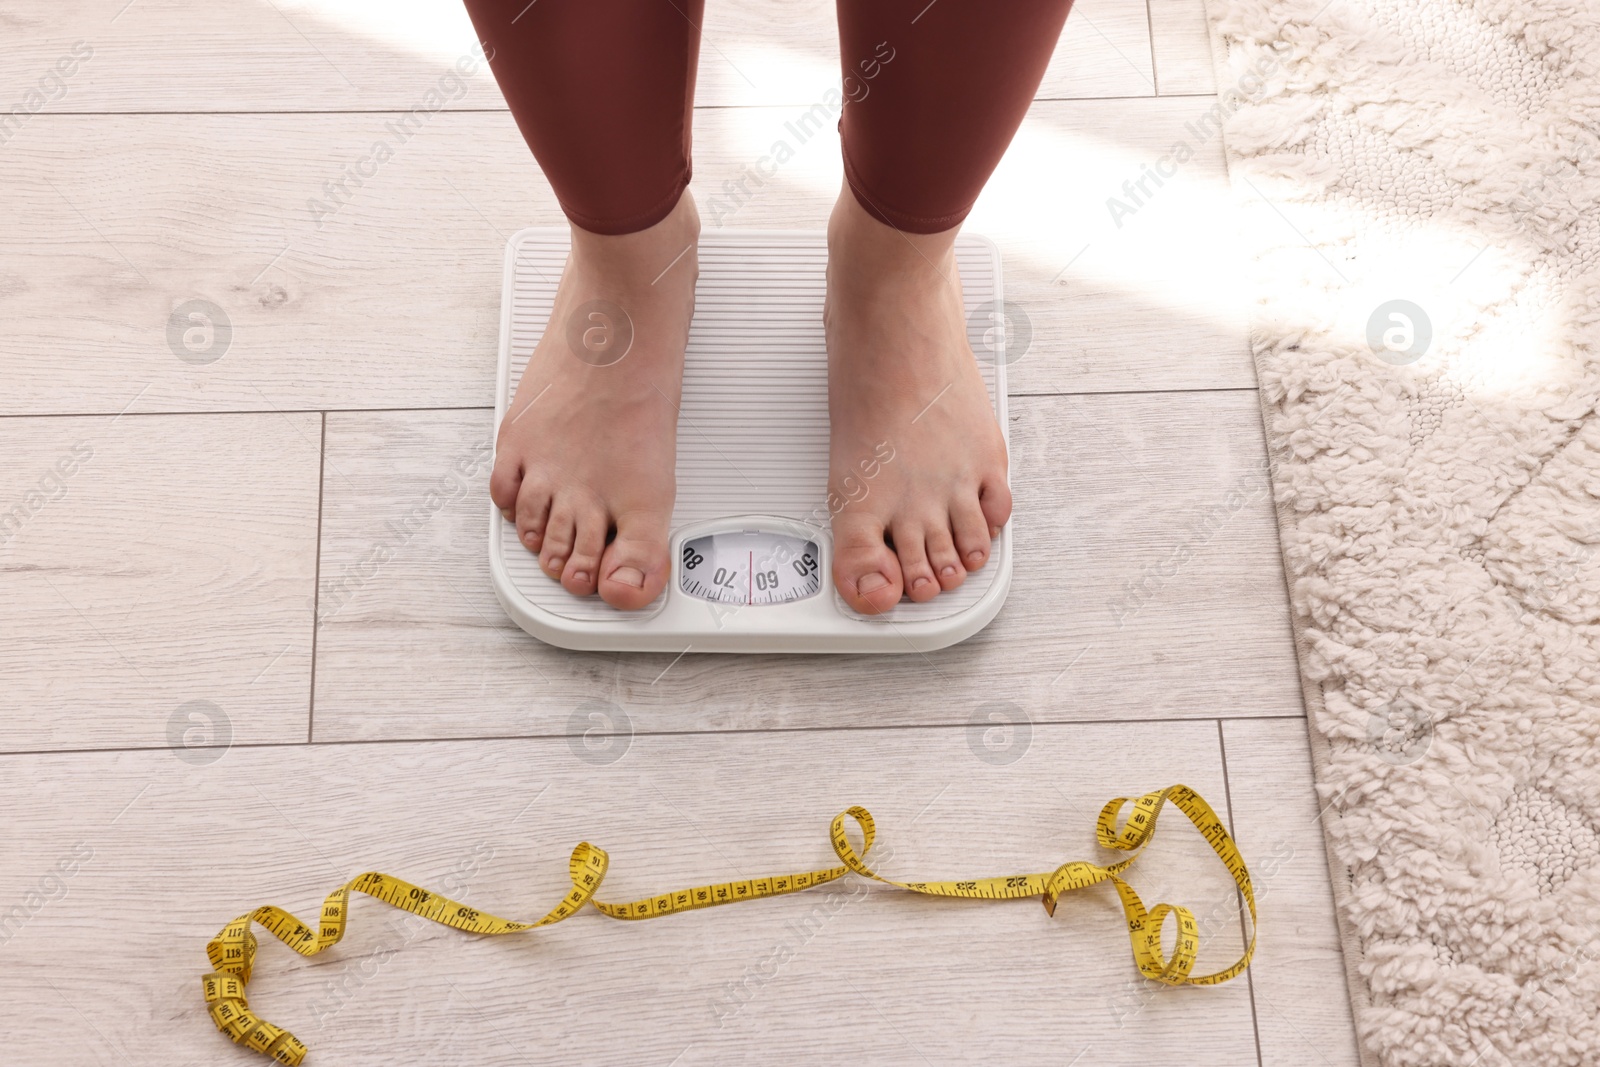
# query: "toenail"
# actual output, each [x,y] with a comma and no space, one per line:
[629,576]
[871,583]
[975,556]
[920,582]
[505,513]
[556,564]
[994,531]
[948,572]
[581,577]
[530,538]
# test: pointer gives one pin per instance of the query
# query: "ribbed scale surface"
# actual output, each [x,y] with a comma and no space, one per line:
[753,429]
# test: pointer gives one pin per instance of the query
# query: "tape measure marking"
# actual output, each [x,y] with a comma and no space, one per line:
[233,951]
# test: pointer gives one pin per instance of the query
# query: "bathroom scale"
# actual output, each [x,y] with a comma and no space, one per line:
[751,548]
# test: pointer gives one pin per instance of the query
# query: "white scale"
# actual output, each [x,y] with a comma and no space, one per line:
[751,551]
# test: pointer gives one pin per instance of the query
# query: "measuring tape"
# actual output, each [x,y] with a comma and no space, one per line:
[233,951]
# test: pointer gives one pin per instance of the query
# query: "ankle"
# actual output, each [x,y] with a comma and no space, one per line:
[870,247]
[645,255]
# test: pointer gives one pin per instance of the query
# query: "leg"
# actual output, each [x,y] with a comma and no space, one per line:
[584,461]
[932,105]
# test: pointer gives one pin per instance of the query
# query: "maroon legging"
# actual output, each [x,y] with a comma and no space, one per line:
[603,90]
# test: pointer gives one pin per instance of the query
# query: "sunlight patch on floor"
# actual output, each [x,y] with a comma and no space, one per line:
[433,29]
[1051,199]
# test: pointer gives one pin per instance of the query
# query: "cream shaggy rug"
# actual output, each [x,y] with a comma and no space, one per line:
[1421,181]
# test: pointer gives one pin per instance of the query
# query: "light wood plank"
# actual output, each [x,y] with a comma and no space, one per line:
[242,55]
[178,850]
[1104,51]
[1119,300]
[148,562]
[362,55]
[1302,1008]
[1109,491]
[1182,47]
[767,53]
[392,299]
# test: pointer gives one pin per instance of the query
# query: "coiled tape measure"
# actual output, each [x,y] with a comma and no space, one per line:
[233,951]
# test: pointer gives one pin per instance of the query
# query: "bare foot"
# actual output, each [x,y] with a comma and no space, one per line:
[585,458]
[903,383]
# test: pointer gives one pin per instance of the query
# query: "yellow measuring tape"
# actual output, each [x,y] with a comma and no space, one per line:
[233,951]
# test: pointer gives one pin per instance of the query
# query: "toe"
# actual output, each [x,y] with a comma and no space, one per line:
[971,529]
[532,504]
[865,570]
[995,501]
[505,482]
[635,565]
[560,531]
[911,547]
[944,559]
[582,572]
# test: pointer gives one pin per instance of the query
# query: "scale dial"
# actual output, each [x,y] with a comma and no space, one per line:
[749,567]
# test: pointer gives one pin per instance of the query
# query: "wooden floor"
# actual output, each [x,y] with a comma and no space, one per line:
[213,698]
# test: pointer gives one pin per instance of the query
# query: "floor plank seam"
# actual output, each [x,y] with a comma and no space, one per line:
[490,407]
[244,411]
[1135,96]
[1244,933]
[316,585]
[1150,36]
[507,111]
[641,733]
